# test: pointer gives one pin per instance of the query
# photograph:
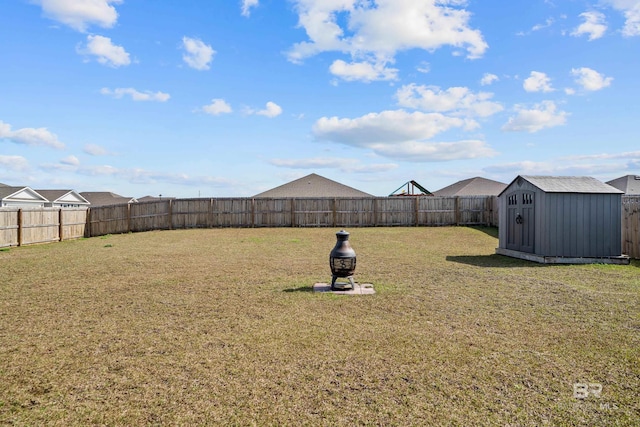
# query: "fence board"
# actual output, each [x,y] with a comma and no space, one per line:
[74,223]
[191,213]
[113,219]
[8,227]
[147,216]
[631,226]
[228,212]
[313,212]
[40,225]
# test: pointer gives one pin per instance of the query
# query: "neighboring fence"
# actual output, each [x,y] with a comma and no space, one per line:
[302,212]
[28,226]
[631,226]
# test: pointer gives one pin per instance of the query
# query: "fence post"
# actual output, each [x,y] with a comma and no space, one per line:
[416,216]
[253,213]
[129,217]
[170,214]
[456,209]
[19,227]
[60,225]
[335,208]
[293,212]
[87,227]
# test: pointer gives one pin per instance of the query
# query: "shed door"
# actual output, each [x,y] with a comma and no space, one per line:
[520,221]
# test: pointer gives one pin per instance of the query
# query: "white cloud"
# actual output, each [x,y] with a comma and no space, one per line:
[247,5]
[271,110]
[537,82]
[198,54]
[30,136]
[546,24]
[14,163]
[399,134]
[594,25]
[459,100]
[426,151]
[217,107]
[424,67]
[631,11]
[542,116]
[488,79]
[364,71]
[106,52]
[70,160]
[79,14]
[95,150]
[135,94]
[384,27]
[590,79]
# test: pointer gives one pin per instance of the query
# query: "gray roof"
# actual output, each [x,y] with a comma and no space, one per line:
[477,186]
[104,198]
[569,184]
[629,184]
[313,186]
[6,190]
[54,195]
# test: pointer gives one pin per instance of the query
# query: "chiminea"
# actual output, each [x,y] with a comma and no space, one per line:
[342,261]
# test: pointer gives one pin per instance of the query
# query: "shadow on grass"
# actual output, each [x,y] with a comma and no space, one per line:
[493,260]
[491,231]
[300,289]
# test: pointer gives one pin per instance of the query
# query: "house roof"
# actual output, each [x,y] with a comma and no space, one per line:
[313,185]
[25,194]
[629,184]
[63,196]
[568,184]
[103,198]
[477,186]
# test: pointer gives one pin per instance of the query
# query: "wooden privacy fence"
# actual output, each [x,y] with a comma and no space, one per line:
[28,226]
[290,212]
[41,225]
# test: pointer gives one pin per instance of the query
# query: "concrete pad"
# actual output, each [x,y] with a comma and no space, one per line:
[360,289]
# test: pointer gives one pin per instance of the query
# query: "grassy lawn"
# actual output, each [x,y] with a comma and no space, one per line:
[220,327]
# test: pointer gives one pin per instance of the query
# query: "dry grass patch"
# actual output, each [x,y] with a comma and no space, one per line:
[221,327]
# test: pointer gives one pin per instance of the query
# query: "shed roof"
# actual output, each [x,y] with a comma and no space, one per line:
[313,185]
[568,184]
[477,186]
[629,184]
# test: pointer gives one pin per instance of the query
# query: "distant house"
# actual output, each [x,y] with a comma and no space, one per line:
[312,185]
[64,199]
[105,198]
[629,184]
[20,197]
[561,219]
[472,187]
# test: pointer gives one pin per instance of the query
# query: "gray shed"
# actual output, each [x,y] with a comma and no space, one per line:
[561,219]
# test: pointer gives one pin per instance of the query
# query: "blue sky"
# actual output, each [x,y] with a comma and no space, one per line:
[224,98]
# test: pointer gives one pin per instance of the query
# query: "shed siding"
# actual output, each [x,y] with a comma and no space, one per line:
[579,225]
